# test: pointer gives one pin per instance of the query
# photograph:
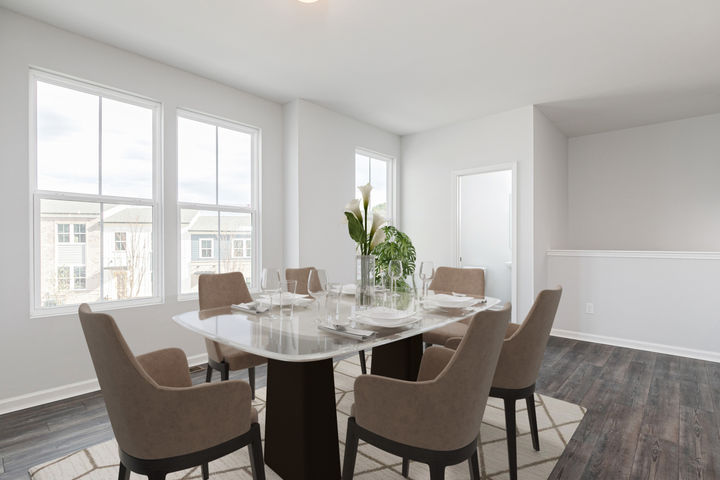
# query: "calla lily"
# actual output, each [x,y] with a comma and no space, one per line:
[354,208]
[365,191]
[377,239]
[378,221]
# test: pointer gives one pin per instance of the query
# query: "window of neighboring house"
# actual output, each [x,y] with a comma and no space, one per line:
[94,154]
[376,169]
[206,248]
[78,281]
[241,248]
[63,233]
[120,241]
[217,196]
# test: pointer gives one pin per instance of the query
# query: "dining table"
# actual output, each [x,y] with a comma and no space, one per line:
[301,431]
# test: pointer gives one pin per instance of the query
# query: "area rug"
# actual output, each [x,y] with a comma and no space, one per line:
[557,420]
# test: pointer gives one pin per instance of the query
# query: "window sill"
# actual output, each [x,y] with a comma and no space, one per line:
[96,307]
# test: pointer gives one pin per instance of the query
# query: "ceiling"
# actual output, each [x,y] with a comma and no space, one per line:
[413,65]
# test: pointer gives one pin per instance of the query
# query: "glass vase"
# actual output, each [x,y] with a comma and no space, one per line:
[364,280]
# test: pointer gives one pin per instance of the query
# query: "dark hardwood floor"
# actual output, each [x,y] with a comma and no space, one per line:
[649,416]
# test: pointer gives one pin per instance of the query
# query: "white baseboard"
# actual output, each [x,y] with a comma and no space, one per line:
[62,392]
[638,345]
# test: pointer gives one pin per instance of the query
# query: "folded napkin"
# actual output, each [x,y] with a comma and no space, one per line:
[250,307]
[355,333]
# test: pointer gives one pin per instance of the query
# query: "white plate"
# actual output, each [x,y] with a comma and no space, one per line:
[294,298]
[387,323]
[449,301]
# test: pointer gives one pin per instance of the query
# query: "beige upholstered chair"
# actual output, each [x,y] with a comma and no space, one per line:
[519,365]
[301,275]
[468,281]
[435,420]
[161,422]
[222,290]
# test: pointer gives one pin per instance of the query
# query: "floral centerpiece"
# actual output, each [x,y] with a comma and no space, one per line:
[367,235]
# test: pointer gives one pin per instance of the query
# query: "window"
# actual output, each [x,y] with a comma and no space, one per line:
[120,241]
[63,233]
[217,197]
[241,248]
[94,159]
[79,229]
[206,248]
[78,278]
[376,169]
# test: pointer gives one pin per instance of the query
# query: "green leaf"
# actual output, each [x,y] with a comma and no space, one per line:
[355,228]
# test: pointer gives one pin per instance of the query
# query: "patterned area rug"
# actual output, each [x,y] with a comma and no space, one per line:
[557,420]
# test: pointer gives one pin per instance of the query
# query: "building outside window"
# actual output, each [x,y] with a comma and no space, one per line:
[94,155]
[120,241]
[218,202]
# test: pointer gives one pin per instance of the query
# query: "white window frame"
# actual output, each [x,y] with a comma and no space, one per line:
[36,195]
[390,181]
[255,208]
[201,248]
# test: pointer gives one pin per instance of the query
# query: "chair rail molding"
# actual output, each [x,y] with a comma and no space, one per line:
[656,254]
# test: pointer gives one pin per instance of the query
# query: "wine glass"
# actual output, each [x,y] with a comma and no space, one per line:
[270,283]
[427,273]
[318,289]
[395,270]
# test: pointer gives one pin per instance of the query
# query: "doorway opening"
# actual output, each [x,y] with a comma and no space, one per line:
[486,227]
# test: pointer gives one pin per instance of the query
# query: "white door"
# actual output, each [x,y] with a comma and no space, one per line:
[485,228]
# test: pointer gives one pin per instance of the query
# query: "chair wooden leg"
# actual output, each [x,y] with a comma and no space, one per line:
[123,472]
[256,455]
[205,468]
[351,445]
[511,433]
[363,365]
[405,467]
[251,377]
[225,372]
[208,374]
[437,472]
[474,463]
[533,422]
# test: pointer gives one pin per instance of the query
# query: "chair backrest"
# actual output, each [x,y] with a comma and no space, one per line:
[129,392]
[468,281]
[301,275]
[462,388]
[522,352]
[221,290]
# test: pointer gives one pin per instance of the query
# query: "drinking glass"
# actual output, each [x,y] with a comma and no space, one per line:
[318,289]
[395,270]
[427,273]
[270,284]
[334,294]
[287,294]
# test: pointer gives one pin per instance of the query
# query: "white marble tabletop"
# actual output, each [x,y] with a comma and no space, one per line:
[297,338]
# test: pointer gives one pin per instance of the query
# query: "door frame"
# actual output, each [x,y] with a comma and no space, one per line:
[456,178]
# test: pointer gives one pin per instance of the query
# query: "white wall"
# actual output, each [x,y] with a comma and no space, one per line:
[42,353]
[326,183]
[647,188]
[649,300]
[550,156]
[427,201]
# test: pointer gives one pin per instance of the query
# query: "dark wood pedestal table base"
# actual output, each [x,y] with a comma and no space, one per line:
[301,432]
[399,359]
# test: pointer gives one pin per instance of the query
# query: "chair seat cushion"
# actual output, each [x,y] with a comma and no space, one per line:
[441,335]
[240,360]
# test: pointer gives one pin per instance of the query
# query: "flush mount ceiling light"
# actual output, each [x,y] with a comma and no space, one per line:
[307,1]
